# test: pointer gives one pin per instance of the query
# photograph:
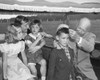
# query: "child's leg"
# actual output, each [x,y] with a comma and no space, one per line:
[32,68]
[43,69]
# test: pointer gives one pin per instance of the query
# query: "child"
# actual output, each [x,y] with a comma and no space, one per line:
[35,42]
[13,67]
[61,58]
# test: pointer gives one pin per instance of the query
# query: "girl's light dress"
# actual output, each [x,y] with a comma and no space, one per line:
[16,70]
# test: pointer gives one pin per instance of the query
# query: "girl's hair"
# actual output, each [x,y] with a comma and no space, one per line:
[18,20]
[62,30]
[9,34]
[34,22]
[8,37]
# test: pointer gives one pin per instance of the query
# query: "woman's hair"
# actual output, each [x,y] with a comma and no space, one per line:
[34,22]
[18,20]
[62,30]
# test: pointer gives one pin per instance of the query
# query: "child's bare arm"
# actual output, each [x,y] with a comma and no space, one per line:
[36,48]
[5,66]
[24,57]
[30,44]
[46,34]
[42,43]
[23,54]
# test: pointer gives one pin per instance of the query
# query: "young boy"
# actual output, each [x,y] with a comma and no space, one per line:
[61,58]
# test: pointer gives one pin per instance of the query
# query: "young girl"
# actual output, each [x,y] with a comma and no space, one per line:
[35,42]
[61,58]
[13,67]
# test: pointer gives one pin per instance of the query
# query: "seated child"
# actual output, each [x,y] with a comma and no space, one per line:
[35,42]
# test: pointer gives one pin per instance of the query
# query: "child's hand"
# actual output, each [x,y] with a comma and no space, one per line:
[39,37]
[49,35]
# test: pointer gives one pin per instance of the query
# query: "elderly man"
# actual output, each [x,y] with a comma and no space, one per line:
[85,42]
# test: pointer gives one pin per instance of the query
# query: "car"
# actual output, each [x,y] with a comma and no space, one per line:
[95,59]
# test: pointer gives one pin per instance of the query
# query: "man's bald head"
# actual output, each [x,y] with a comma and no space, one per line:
[85,23]
[84,26]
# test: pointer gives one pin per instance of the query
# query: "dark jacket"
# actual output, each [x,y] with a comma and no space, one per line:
[59,66]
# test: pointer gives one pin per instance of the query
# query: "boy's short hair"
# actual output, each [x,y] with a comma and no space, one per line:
[62,26]
[62,30]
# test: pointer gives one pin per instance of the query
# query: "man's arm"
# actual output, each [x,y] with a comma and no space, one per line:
[87,45]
